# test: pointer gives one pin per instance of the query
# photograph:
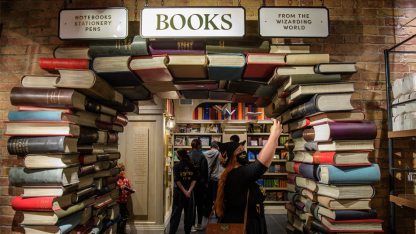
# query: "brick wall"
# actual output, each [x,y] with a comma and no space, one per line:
[360,30]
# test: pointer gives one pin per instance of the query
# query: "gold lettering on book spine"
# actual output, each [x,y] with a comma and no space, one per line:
[20,146]
[53,97]
[184,45]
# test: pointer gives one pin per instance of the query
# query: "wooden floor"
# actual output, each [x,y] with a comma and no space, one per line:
[276,224]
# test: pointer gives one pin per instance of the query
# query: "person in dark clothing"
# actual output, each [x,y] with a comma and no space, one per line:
[235,138]
[239,181]
[201,167]
[184,175]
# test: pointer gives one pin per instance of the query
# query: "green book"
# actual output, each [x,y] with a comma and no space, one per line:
[294,80]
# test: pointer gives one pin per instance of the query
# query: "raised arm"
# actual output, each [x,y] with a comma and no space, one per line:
[267,153]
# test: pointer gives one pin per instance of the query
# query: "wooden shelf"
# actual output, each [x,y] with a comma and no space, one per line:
[398,134]
[275,202]
[197,134]
[275,174]
[275,189]
[408,200]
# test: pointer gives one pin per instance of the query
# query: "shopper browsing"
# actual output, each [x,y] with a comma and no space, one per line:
[215,169]
[201,167]
[184,175]
[237,186]
[125,191]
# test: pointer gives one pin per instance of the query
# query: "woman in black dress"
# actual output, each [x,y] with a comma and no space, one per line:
[239,178]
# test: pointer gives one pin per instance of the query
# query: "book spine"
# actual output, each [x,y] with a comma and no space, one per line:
[308,170]
[305,109]
[353,131]
[62,63]
[200,113]
[351,175]
[88,136]
[35,116]
[355,214]
[324,158]
[177,47]
[68,223]
[42,97]
[130,46]
[32,204]
[36,145]
[206,112]
[19,176]
[86,170]
[240,111]
[112,137]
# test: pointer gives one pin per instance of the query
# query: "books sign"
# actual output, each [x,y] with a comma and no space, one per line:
[294,21]
[192,22]
[106,23]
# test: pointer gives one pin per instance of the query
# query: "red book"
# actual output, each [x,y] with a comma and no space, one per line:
[151,68]
[62,63]
[120,119]
[260,66]
[33,203]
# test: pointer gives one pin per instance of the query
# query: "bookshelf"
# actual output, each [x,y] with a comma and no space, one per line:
[246,129]
[397,196]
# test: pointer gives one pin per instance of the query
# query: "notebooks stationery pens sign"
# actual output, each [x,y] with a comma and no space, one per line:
[294,22]
[192,22]
[99,23]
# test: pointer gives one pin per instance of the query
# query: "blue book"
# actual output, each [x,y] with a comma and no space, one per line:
[70,222]
[308,171]
[347,214]
[328,174]
[206,112]
[226,66]
[37,116]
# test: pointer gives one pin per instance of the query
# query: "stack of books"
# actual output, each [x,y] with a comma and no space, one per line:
[331,179]
[67,135]
[404,103]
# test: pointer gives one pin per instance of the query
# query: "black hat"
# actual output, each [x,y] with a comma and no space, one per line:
[229,147]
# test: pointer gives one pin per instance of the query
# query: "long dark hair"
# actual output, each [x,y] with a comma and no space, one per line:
[229,165]
[184,157]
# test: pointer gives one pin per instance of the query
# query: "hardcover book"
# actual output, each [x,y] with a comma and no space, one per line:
[19,176]
[306,59]
[62,226]
[323,103]
[34,161]
[200,85]
[53,64]
[328,68]
[246,86]
[48,190]
[71,52]
[329,174]
[115,70]
[260,66]
[60,98]
[41,203]
[294,80]
[172,47]
[226,66]
[308,171]
[160,86]
[363,225]
[344,204]
[131,46]
[346,191]
[41,128]
[188,66]
[31,81]
[88,83]
[40,145]
[151,68]
[135,93]
[326,117]
[364,130]
[347,214]
[289,49]
[312,89]
[306,183]
[248,45]
[353,158]
[341,145]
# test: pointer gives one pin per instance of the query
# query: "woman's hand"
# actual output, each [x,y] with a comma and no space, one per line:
[276,128]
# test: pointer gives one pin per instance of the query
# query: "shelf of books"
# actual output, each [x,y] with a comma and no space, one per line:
[66,132]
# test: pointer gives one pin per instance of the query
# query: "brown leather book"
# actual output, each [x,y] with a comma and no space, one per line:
[61,98]
[309,134]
